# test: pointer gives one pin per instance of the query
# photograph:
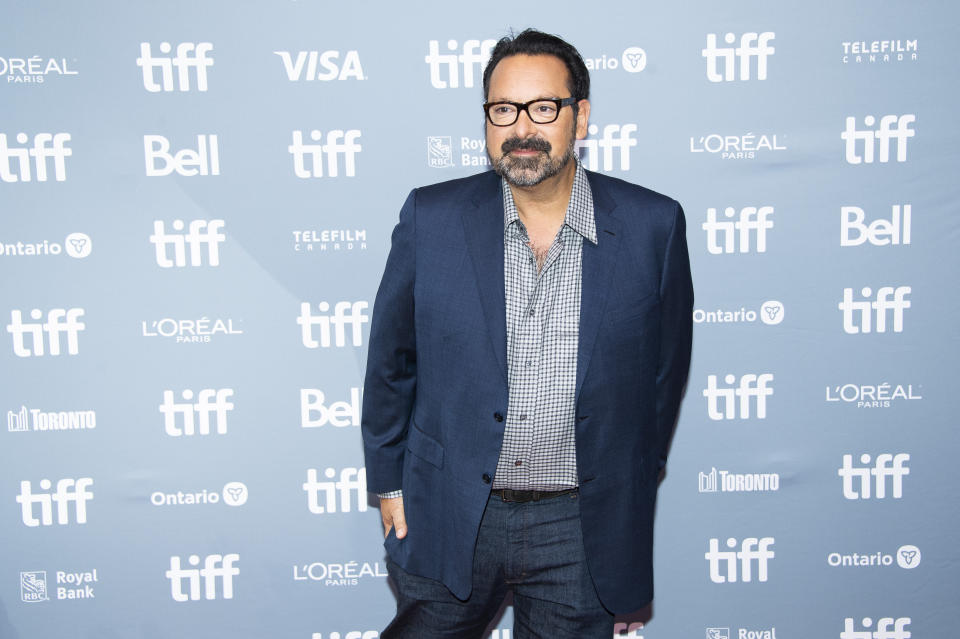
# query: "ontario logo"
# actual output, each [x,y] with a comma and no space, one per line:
[906,557]
[770,312]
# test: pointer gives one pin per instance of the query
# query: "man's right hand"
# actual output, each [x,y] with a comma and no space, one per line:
[391,512]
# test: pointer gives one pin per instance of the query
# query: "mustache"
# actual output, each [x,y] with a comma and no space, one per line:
[527,144]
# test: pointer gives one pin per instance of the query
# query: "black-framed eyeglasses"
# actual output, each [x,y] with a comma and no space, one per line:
[541,110]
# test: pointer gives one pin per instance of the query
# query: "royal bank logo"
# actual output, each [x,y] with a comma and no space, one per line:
[76,245]
[733,565]
[35,70]
[323,66]
[188,162]
[317,411]
[906,557]
[350,573]
[34,159]
[770,313]
[35,419]
[718,633]
[67,492]
[725,481]
[739,399]
[329,240]
[610,151]
[869,145]
[158,70]
[743,231]
[870,479]
[33,586]
[234,493]
[880,232]
[39,337]
[324,156]
[201,417]
[735,61]
[886,628]
[336,495]
[216,577]
[469,152]
[872,395]
[746,146]
[871,314]
[330,329]
[459,65]
[439,152]
[632,60]
[879,51]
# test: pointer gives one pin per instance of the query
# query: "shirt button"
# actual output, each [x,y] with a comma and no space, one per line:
[519,462]
[498,417]
[532,312]
[522,417]
[529,363]
[530,260]
[485,478]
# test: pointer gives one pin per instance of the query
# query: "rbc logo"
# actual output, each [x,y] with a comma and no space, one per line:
[884,134]
[750,385]
[216,568]
[327,61]
[853,231]
[752,551]
[59,322]
[751,219]
[204,161]
[335,324]
[40,153]
[196,416]
[351,487]
[475,54]
[881,305]
[339,143]
[189,55]
[752,45]
[202,232]
[337,414]
[887,628]
[615,136]
[880,471]
[67,491]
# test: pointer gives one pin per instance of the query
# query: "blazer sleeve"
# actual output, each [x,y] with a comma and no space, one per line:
[676,332]
[391,378]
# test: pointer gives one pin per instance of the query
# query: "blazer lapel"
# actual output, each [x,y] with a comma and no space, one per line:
[483,231]
[598,261]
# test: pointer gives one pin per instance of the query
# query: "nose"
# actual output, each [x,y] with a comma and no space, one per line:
[524,126]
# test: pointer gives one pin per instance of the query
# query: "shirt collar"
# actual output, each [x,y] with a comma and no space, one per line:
[579,215]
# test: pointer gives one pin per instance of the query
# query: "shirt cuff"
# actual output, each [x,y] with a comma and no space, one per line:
[390,495]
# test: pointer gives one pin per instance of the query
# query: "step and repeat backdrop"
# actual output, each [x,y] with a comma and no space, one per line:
[196,202]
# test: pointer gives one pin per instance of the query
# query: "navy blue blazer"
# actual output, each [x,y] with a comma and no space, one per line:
[435,392]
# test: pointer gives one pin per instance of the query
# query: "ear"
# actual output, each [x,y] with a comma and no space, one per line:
[583,118]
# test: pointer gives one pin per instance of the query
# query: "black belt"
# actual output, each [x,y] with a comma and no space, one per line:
[522,496]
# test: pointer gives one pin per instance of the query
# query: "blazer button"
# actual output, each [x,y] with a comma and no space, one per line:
[498,417]
[486,478]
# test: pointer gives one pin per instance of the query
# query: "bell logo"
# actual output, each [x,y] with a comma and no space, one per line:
[880,471]
[335,325]
[721,61]
[881,232]
[751,221]
[352,487]
[68,491]
[202,233]
[887,628]
[615,137]
[749,386]
[45,146]
[339,143]
[330,68]
[891,127]
[753,551]
[59,322]
[216,568]
[474,56]
[188,163]
[188,56]
[314,413]
[195,417]
[851,309]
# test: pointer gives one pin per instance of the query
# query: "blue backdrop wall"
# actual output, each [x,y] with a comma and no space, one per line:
[195,208]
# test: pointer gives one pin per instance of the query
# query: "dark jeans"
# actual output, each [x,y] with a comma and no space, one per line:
[534,549]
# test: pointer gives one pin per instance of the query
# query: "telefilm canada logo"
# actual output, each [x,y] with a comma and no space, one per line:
[35,419]
[770,313]
[76,245]
[35,70]
[906,557]
[329,240]
[879,51]
[882,395]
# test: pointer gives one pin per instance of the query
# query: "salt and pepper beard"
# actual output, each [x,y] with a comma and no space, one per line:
[534,170]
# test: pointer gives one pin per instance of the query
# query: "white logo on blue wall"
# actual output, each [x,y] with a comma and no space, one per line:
[439,151]
[867,145]
[189,56]
[907,557]
[887,628]
[718,633]
[746,146]
[728,482]
[729,63]
[869,315]
[33,586]
[880,232]
[15,164]
[188,162]
[770,312]
[34,70]
[731,566]
[610,150]
[28,337]
[632,60]
[77,245]
[35,419]
[870,482]
[217,570]
[882,51]
[461,65]
[751,222]
[321,65]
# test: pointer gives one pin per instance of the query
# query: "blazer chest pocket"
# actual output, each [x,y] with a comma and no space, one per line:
[424,446]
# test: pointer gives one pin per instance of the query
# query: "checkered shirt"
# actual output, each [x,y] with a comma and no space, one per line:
[543,329]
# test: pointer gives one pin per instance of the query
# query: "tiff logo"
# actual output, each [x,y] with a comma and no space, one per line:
[752,552]
[880,471]
[884,134]
[881,305]
[751,220]
[68,491]
[314,413]
[60,322]
[187,162]
[215,567]
[615,137]
[473,58]
[353,481]
[195,417]
[189,56]
[202,233]
[339,143]
[750,386]
[881,232]
[327,60]
[887,628]
[45,146]
[721,61]
[344,314]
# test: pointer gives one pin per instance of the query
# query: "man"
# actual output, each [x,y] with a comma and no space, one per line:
[529,346]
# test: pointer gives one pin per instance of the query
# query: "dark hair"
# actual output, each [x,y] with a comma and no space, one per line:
[533,42]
